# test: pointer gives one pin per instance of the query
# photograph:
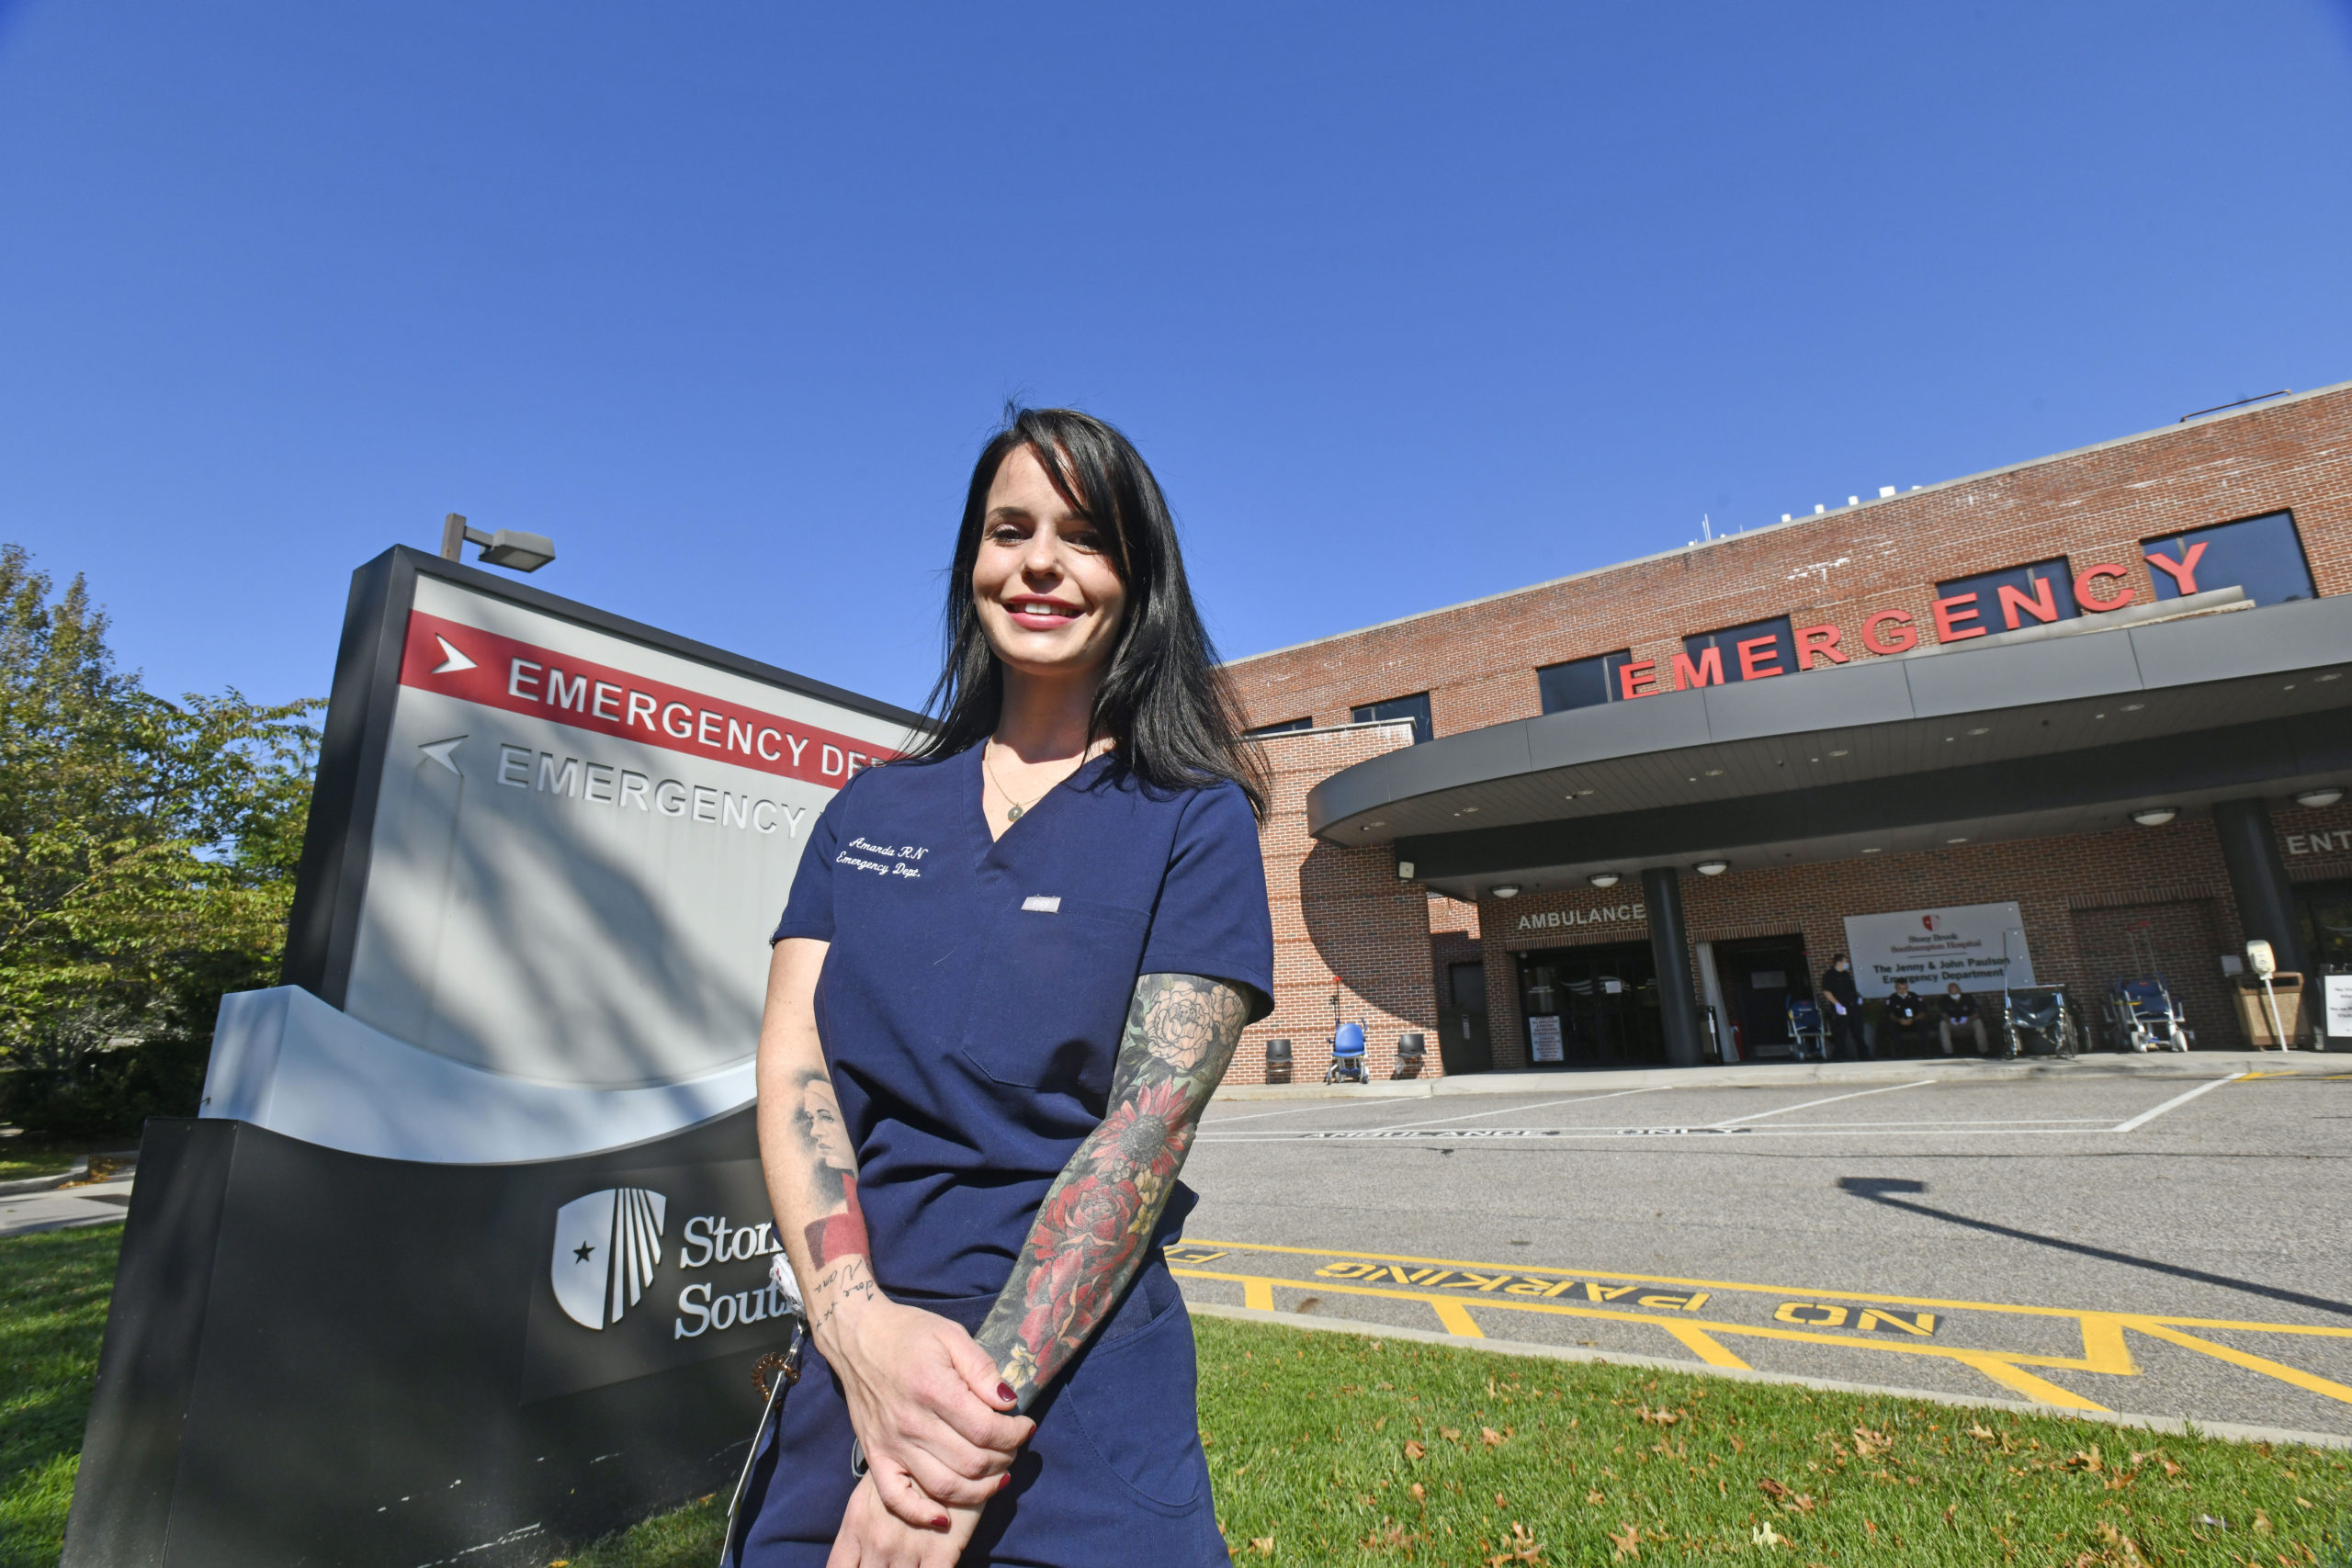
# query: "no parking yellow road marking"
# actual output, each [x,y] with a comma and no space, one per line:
[1903,1326]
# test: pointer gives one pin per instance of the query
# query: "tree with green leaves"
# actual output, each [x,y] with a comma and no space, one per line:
[147,855]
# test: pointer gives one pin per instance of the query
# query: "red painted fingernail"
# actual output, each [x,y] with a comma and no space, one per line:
[1004,1480]
[940,1523]
[1004,1391]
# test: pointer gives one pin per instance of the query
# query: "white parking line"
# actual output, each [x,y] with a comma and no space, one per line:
[1541,1105]
[1758,1116]
[2177,1100]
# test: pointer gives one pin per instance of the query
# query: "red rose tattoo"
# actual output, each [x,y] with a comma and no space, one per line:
[1089,1238]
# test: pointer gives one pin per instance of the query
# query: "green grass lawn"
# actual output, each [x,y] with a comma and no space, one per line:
[53,1292]
[20,1158]
[1331,1449]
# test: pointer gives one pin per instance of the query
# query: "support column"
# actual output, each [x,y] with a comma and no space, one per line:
[1678,1008]
[2258,878]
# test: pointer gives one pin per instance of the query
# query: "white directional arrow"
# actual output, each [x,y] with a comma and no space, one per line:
[453,660]
[439,750]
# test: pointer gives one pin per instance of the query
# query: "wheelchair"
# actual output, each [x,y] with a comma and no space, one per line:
[1347,1056]
[1805,1029]
[2143,1017]
[2044,1014]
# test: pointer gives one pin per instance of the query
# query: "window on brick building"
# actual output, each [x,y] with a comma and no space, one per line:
[2013,598]
[2262,555]
[1415,707]
[1284,727]
[1581,682]
[1715,659]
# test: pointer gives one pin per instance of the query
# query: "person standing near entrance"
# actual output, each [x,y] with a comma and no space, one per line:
[1960,1014]
[1021,959]
[1844,1013]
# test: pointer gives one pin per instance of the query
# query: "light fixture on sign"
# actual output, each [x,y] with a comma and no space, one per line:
[2316,798]
[509,548]
[1508,890]
[1604,879]
[1711,867]
[2155,816]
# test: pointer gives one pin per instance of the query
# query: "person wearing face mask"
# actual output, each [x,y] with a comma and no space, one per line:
[1907,1012]
[1959,1015]
[1013,969]
[1841,1014]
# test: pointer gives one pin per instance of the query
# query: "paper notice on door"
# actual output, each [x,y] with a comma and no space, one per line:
[1543,1034]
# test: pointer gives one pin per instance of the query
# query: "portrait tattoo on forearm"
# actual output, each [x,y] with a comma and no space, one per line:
[1089,1236]
[838,1248]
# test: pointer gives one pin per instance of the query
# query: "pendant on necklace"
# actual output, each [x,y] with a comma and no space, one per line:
[1012,814]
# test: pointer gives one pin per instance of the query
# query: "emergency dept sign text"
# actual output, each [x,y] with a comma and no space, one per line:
[1932,947]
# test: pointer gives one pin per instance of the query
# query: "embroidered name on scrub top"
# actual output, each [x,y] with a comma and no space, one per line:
[1045,903]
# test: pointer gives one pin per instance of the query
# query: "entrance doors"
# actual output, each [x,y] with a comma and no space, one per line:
[1758,976]
[1461,1044]
[1590,1007]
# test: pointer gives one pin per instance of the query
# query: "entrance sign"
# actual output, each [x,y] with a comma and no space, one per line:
[1932,947]
[2335,991]
[472,1203]
[1543,1036]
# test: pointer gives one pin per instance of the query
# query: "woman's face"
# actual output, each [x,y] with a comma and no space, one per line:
[1043,584]
[825,1130]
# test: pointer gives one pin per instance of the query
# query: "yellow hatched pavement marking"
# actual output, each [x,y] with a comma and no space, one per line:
[2105,1350]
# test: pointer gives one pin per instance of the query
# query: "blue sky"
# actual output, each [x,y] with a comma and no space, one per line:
[1406,304]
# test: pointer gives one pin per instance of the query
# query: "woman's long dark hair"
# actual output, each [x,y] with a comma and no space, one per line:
[1165,700]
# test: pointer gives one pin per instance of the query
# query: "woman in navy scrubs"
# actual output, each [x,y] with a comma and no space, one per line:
[1017,963]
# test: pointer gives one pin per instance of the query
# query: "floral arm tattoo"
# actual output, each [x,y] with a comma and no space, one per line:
[1092,1234]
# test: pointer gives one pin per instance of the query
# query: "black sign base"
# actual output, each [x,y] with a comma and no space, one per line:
[320,1358]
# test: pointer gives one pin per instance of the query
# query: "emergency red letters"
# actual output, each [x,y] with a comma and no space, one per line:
[1751,662]
[1708,671]
[1817,642]
[2087,582]
[1950,612]
[1905,638]
[2182,571]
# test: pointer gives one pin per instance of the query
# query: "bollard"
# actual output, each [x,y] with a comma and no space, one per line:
[1412,1050]
[1278,1061]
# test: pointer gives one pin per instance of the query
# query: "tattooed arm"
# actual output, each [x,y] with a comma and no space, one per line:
[1092,1233]
[924,1399]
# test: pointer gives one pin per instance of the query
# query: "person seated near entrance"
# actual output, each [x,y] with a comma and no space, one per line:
[1839,1038]
[1959,1015]
[1907,1013]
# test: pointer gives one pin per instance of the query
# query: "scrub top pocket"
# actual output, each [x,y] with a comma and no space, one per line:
[1052,993]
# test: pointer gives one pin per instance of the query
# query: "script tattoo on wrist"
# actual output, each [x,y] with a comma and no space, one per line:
[1091,1234]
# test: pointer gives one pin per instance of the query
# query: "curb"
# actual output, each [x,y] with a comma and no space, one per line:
[2169,1064]
[46,1183]
[2174,1425]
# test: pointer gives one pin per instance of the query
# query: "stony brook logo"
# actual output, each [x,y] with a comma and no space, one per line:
[607,1246]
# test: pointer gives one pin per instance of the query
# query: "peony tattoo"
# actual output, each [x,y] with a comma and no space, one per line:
[1089,1236]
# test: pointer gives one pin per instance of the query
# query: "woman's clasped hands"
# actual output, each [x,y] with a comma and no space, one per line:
[934,1415]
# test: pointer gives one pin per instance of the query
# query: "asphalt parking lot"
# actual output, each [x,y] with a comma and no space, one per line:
[2145,1244]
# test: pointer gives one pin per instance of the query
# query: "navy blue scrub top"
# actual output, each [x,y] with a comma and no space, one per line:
[973,999]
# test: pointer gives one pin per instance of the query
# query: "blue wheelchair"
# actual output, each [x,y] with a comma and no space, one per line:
[1806,1030]
[1347,1056]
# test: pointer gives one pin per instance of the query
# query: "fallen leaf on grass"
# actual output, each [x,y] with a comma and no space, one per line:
[1490,1437]
[1595,1498]
[2122,1548]
[2088,1460]
[1420,1495]
[1521,1548]
[1983,1433]
[1628,1544]
[1765,1538]
[1658,1418]
[1263,1545]
[1870,1444]
[1450,1433]
[1772,1489]
[1414,1450]
[2261,1522]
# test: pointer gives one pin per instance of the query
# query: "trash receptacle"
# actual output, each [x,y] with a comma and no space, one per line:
[1412,1050]
[1278,1061]
[2254,1007]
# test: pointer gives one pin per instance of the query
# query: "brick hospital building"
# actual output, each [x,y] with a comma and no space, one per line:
[2076,719]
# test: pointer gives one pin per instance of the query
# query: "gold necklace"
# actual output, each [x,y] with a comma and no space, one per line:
[1014,808]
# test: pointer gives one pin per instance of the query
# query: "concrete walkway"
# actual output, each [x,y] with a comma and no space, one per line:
[65,1208]
[1756,1075]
